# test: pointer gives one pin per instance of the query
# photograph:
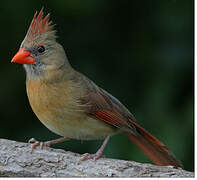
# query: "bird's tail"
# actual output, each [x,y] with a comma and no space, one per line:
[153,148]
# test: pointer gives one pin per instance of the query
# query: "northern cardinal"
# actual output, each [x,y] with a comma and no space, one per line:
[70,104]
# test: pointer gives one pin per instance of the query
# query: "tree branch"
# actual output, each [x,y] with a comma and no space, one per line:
[16,161]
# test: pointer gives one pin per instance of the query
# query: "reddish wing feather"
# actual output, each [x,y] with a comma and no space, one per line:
[111,117]
[103,107]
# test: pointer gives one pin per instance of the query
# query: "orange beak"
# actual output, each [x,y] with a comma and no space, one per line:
[23,57]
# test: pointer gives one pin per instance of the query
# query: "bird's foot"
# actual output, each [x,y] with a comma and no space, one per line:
[38,143]
[97,155]
[45,144]
[87,156]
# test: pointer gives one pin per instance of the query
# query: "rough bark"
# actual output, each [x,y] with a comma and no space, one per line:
[17,161]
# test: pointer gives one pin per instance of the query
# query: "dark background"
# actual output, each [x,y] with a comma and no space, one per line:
[139,51]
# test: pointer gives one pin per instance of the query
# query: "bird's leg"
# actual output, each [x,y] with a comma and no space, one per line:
[46,144]
[97,155]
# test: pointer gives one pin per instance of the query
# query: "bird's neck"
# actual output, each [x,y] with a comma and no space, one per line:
[48,73]
[33,71]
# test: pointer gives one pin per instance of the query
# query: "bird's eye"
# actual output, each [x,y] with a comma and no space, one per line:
[41,49]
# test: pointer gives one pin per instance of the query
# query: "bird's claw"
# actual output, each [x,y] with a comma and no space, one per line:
[87,156]
[37,143]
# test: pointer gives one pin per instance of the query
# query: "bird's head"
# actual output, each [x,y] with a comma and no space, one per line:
[39,51]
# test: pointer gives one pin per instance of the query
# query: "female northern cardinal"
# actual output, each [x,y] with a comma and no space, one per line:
[70,104]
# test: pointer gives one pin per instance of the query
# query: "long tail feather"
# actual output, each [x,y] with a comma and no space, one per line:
[153,148]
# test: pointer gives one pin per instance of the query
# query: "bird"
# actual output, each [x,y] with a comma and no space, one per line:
[70,104]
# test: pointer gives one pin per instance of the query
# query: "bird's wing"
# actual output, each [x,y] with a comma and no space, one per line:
[103,106]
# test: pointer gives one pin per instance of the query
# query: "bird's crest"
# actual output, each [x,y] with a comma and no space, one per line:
[40,26]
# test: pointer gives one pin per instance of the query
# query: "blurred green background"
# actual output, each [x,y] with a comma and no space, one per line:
[140,51]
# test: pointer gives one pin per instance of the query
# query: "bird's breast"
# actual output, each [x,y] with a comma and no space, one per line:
[57,108]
